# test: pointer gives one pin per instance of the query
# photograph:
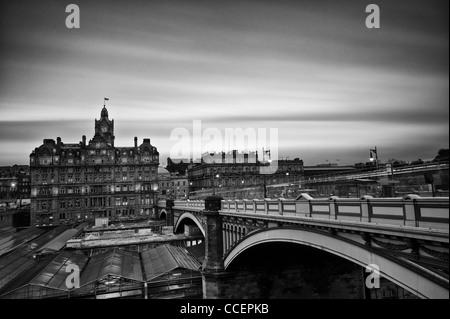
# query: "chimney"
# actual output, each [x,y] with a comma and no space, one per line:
[84,140]
[135,141]
[58,141]
[147,140]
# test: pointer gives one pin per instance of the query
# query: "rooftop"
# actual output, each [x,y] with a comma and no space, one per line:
[47,278]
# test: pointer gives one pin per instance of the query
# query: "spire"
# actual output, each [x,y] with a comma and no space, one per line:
[104,112]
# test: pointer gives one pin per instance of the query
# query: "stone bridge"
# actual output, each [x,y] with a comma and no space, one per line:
[407,238]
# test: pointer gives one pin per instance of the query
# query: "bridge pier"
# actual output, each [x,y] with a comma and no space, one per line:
[169,212]
[214,277]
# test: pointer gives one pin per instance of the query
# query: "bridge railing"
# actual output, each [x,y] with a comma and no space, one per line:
[161,203]
[411,210]
[195,203]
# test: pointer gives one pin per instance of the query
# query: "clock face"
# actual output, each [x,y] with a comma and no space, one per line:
[104,129]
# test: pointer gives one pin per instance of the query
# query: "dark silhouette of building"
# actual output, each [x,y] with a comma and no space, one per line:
[178,167]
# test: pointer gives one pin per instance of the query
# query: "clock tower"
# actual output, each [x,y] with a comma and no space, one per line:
[104,128]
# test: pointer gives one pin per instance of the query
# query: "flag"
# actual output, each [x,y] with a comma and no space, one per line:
[106,99]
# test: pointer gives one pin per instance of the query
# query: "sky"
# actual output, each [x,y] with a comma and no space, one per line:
[333,88]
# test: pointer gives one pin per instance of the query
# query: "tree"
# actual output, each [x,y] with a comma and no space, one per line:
[417,162]
[443,155]
[397,162]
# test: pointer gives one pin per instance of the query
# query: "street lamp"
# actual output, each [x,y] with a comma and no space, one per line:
[265,181]
[391,166]
[213,181]
[189,189]
[376,156]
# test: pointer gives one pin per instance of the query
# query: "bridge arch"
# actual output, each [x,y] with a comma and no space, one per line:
[162,214]
[190,216]
[400,272]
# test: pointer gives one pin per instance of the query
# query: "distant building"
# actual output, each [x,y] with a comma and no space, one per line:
[172,185]
[84,180]
[14,186]
[327,169]
[236,170]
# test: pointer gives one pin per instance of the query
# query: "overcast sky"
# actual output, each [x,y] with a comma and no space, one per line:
[332,87]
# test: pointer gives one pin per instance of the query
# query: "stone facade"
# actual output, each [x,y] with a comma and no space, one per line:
[81,181]
[172,185]
[14,186]
[236,171]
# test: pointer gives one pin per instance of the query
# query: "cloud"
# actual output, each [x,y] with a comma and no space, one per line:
[309,68]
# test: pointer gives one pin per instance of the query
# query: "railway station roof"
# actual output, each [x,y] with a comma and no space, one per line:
[45,276]
[165,258]
[12,240]
[113,263]
[59,241]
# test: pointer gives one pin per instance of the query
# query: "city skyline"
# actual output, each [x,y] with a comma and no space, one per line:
[333,88]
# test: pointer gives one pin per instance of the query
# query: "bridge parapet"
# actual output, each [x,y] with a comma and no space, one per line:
[411,210]
[162,203]
[196,203]
[410,233]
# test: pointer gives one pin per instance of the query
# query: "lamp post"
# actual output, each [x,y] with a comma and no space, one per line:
[214,181]
[392,179]
[264,179]
[12,190]
[376,156]
[189,189]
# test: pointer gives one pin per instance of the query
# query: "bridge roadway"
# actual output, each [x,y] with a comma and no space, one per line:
[407,238]
[382,172]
